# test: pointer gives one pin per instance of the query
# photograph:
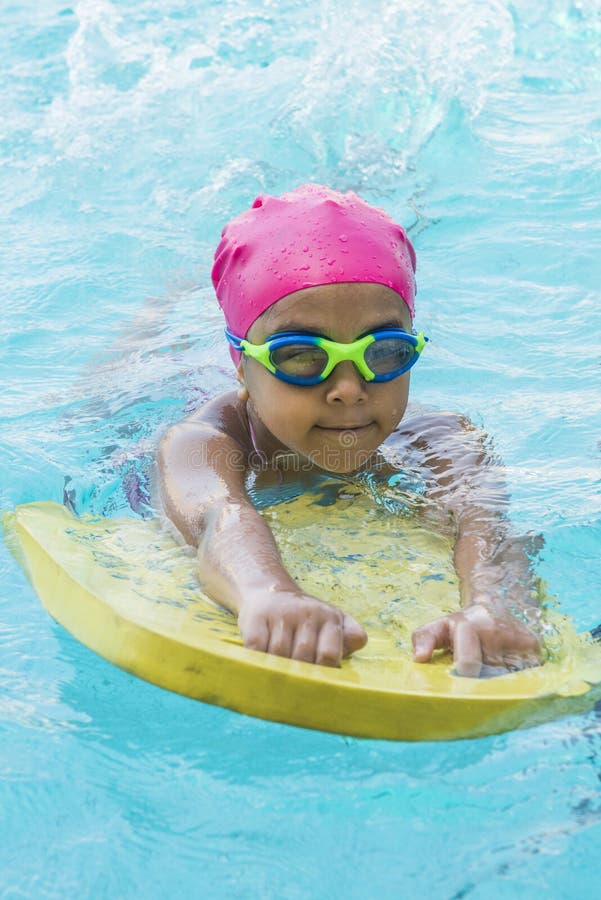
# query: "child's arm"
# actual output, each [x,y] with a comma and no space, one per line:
[202,463]
[498,622]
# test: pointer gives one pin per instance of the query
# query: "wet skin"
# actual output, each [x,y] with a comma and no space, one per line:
[337,426]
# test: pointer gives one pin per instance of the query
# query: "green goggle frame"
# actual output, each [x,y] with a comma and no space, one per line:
[307,359]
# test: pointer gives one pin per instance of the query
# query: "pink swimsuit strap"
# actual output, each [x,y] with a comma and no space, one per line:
[253,438]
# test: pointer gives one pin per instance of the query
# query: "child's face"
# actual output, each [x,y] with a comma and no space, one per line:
[339,423]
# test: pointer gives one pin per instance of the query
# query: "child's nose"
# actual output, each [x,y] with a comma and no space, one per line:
[346,385]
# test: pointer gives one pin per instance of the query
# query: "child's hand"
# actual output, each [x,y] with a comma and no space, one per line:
[478,635]
[298,626]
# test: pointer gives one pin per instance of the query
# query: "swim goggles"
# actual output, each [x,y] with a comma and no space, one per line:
[309,359]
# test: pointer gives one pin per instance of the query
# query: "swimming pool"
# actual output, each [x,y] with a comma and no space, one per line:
[131,132]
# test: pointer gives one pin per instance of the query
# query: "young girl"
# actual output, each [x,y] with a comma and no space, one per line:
[318,289]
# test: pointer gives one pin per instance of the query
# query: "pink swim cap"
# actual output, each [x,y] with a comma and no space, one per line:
[306,238]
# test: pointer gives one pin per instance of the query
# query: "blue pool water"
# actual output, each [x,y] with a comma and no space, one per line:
[130,132]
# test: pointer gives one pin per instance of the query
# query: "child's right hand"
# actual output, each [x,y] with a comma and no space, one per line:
[298,626]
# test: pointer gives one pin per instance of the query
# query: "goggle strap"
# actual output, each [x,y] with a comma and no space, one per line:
[233,339]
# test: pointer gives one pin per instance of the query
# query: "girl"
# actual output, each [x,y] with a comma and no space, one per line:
[318,294]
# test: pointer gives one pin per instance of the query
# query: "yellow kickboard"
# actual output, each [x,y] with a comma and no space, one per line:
[127,590]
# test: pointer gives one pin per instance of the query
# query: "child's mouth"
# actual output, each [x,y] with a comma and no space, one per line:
[340,429]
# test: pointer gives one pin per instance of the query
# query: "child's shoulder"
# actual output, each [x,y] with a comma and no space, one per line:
[225,413]
[213,410]
[222,418]
[423,425]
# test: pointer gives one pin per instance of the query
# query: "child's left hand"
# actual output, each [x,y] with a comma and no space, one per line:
[479,635]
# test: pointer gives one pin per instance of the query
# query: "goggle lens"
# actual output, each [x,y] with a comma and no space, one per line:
[300,360]
[389,355]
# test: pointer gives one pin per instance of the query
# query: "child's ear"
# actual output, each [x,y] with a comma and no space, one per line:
[242,390]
